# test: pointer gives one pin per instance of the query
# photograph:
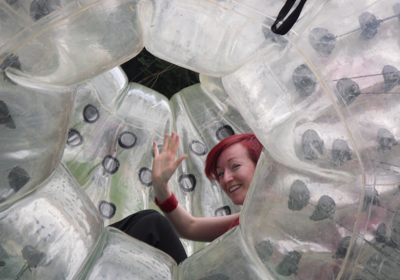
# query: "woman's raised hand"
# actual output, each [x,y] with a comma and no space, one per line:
[164,165]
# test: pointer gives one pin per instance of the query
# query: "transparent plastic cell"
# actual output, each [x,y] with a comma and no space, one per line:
[358,81]
[33,124]
[225,258]
[109,146]
[289,116]
[274,92]
[307,220]
[119,256]
[50,233]
[50,49]
[202,36]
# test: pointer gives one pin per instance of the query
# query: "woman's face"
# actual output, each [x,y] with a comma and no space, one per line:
[235,170]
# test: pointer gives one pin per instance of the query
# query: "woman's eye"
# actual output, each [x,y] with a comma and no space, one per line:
[236,166]
[220,174]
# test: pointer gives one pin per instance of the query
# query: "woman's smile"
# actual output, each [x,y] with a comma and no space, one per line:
[234,188]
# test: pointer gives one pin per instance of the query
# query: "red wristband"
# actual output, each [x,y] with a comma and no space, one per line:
[169,205]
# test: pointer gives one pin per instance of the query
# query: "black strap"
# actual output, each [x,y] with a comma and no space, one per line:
[291,20]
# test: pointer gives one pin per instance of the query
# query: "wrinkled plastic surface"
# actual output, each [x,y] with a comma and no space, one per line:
[49,234]
[33,130]
[323,100]
[118,256]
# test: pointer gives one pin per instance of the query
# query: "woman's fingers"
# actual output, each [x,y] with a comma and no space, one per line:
[172,141]
[175,144]
[179,160]
[170,146]
[165,143]
[155,148]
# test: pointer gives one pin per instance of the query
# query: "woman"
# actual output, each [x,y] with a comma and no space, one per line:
[231,162]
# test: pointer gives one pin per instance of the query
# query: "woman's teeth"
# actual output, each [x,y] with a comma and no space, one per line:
[234,188]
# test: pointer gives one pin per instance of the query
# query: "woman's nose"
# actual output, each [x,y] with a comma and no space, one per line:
[227,176]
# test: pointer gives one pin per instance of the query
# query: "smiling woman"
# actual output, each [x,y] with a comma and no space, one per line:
[231,162]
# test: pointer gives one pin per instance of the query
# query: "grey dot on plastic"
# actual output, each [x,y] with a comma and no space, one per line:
[391,77]
[17,178]
[159,149]
[146,176]
[187,182]
[386,140]
[326,207]
[41,8]
[264,250]
[304,80]
[290,264]
[348,90]
[127,140]
[271,36]
[396,9]
[2,263]
[299,196]
[11,61]
[90,113]
[224,132]
[222,211]
[11,2]
[110,164]
[5,117]
[380,233]
[313,146]
[198,148]
[341,152]
[74,138]
[107,209]
[371,196]
[369,25]
[215,277]
[322,41]
[341,250]
[33,257]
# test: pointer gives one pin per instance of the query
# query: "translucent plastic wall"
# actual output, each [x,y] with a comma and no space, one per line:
[323,100]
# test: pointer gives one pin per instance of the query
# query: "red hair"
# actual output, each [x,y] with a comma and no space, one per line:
[248,140]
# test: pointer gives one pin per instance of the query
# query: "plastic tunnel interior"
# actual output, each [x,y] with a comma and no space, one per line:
[76,137]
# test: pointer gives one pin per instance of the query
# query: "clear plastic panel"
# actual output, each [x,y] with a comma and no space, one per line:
[306,221]
[202,36]
[119,256]
[226,258]
[50,233]
[50,50]
[33,130]
[109,148]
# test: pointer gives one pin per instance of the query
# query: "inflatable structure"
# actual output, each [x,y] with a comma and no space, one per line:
[75,137]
